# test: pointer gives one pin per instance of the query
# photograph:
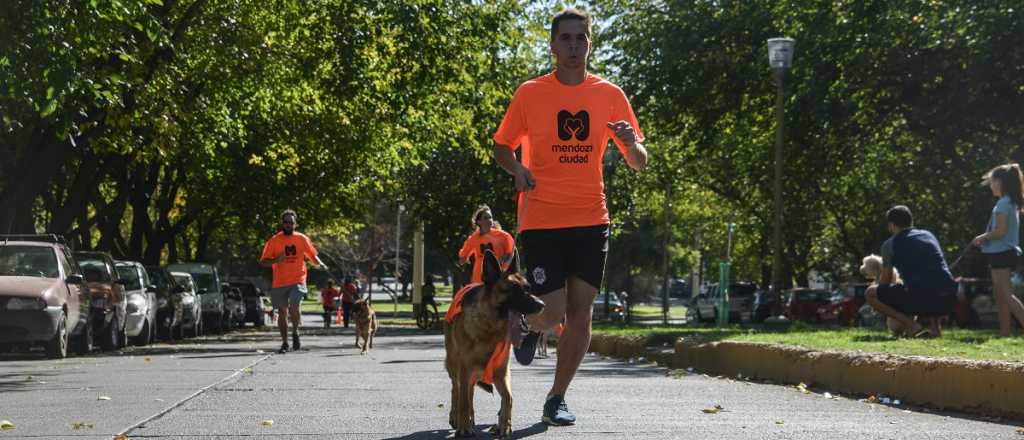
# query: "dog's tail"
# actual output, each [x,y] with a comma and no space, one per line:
[486,387]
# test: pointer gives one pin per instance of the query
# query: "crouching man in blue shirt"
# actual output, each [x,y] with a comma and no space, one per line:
[928,288]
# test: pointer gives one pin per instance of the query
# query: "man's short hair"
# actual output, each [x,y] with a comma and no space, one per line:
[900,216]
[290,212]
[569,14]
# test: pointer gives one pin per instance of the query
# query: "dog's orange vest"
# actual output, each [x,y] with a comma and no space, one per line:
[500,350]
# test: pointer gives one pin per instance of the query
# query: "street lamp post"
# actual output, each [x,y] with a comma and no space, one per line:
[780,58]
[398,241]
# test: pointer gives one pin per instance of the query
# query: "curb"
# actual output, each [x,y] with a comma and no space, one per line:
[989,388]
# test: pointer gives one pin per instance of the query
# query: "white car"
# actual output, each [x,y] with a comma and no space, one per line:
[140,324]
[192,316]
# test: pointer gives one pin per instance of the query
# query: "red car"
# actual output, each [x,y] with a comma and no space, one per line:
[845,304]
[804,304]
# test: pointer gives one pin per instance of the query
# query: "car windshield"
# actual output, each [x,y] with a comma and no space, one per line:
[742,290]
[185,281]
[205,281]
[95,270]
[130,276]
[33,261]
[158,278]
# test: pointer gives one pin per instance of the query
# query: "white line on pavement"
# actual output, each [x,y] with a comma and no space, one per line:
[126,431]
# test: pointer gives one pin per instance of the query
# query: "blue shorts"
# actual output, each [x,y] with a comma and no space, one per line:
[281,297]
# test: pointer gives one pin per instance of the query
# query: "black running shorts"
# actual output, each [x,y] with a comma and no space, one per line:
[552,255]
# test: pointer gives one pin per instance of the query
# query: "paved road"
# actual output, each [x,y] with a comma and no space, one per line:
[226,388]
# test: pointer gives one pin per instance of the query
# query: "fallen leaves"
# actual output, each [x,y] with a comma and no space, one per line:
[268,423]
[440,405]
[780,422]
[103,398]
[715,410]
[121,437]
[803,388]
[6,425]
[81,425]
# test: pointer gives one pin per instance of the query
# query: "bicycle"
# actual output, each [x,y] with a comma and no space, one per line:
[427,318]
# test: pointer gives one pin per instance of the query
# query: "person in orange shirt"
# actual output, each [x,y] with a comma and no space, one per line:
[286,253]
[329,298]
[561,123]
[487,235]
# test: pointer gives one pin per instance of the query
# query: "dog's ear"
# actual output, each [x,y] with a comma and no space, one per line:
[492,269]
[513,266]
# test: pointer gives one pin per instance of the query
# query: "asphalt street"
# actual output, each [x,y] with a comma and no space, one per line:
[236,386]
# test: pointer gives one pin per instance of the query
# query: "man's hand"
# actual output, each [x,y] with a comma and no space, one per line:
[524,179]
[624,132]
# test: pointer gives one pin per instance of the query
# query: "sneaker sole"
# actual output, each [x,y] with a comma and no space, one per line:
[548,421]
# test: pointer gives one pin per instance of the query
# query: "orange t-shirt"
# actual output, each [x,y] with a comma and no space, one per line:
[563,132]
[498,241]
[297,249]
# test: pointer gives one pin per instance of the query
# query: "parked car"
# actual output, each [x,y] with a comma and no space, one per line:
[208,282]
[803,304]
[109,305]
[142,304]
[192,306]
[679,288]
[616,312]
[844,305]
[170,307]
[43,296]
[766,305]
[740,300]
[234,306]
[253,303]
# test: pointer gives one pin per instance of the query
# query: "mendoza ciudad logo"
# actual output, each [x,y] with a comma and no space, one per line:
[573,126]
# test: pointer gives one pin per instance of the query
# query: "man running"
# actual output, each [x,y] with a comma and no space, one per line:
[286,253]
[562,122]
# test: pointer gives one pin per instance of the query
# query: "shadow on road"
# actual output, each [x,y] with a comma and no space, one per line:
[481,432]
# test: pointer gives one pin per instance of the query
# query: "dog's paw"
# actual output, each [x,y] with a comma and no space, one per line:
[465,434]
[498,431]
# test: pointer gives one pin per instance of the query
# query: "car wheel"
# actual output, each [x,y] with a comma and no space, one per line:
[84,341]
[57,348]
[145,336]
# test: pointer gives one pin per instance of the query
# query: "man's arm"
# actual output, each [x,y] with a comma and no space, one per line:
[505,156]
[270,262]
[316,262]
[886,277]
[636,154]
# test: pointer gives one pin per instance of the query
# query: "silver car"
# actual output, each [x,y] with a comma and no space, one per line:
[140,324]
[192,315]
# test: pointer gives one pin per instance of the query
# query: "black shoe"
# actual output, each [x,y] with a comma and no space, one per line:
[527,349]
[556,412]
[284,348]
[295,342]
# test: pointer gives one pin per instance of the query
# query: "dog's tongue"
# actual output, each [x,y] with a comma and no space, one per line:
[515,328]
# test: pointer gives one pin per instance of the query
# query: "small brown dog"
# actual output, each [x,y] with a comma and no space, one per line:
[366,323]
[477,345]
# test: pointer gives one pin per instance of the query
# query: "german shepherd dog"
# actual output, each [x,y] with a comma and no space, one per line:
[470,341]
[366,323]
